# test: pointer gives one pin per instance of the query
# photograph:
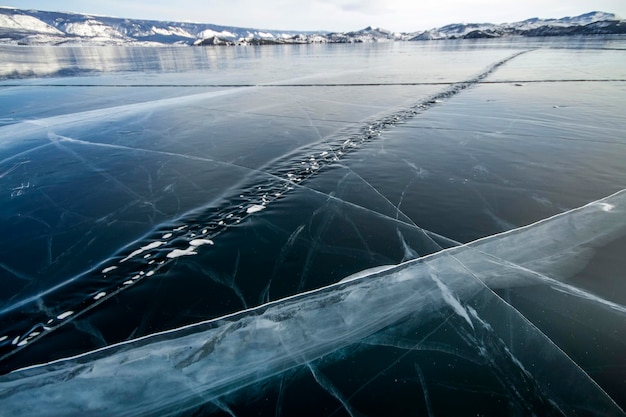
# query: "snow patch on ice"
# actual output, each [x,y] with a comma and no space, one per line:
[367,272]
[606,207]
[451,300]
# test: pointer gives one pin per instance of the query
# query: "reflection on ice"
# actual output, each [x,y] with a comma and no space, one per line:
[176,371]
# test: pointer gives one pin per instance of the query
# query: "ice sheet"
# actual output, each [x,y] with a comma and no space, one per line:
[183,369]
[232,189]
[290,170]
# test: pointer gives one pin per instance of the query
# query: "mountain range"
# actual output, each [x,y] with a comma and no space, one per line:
[36,27]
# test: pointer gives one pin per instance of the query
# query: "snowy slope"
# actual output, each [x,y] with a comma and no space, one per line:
[27,23]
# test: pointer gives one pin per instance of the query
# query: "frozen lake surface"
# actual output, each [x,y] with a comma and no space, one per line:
[427,228]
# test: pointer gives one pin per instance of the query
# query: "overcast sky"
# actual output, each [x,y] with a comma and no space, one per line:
[331,15]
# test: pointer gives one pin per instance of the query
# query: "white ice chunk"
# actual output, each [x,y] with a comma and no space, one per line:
[200,242]
[153,245]
[99,295]
[182,252]
[109,269]
[65,315]
[149,246]
[166,236]
[255,208]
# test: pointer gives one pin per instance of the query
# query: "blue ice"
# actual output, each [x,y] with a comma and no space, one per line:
[174,371]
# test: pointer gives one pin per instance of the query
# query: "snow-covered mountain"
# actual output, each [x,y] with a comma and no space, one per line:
[586,24]
[28,27]
[35,27]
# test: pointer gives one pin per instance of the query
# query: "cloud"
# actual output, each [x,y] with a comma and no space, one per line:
[367,7]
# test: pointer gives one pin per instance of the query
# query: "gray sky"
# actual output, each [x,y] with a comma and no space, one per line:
[332,15]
